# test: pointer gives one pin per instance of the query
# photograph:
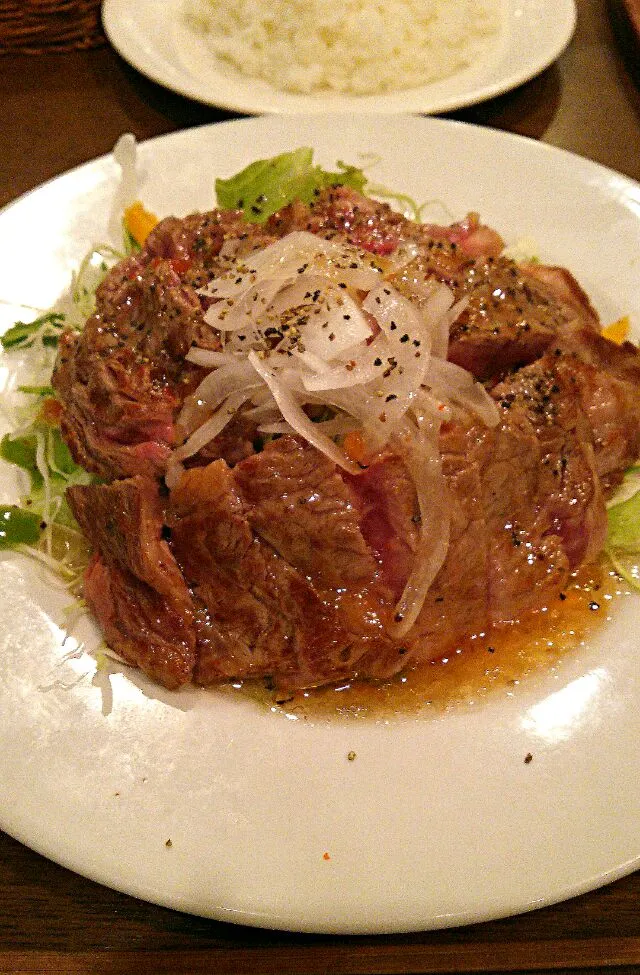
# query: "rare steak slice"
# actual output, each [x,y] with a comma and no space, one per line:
[606,379]
[544,504]
[122,380]
[298,503]
[133,583]
[258,615]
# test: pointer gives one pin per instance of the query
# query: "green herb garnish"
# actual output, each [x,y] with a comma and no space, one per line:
[18,526]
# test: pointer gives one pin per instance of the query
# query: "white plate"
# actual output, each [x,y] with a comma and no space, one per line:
[150,35]
[438,821]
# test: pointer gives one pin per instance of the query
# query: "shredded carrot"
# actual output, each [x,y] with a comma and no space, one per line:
[139,222]
[51,411]
[354,446]
[617,331]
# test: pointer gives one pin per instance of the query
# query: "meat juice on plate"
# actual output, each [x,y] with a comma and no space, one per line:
[491,662]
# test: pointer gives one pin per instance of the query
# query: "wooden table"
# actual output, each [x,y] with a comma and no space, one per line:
[60,110]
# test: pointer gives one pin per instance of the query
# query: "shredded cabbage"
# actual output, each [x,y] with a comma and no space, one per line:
[623,535]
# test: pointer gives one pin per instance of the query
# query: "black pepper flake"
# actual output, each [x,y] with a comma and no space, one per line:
[377,362]
[491,649]
[398,617]
[528,758]
[563,596]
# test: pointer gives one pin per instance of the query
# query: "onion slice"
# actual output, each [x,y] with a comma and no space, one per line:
[298,419]
[425,466]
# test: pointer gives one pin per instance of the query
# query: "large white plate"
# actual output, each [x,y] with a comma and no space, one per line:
[438,821]
[151,36]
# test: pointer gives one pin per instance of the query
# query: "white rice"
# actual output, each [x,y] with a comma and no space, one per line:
[352,46]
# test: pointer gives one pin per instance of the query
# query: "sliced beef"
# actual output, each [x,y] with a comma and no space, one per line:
[569,496]
[457,602]
[375,227]
[133,584]
[198,236]
[122,380]
[258,614]
[389,518]
[298,503]
[345,214]
[567,290]
[290,569]
[606,378]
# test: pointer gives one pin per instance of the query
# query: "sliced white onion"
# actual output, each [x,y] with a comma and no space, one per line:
[175,470]
[207,357]
[211,427]
[294,254]
[282,427]
[298,419]
[425,466]
[214,388]
[409,355]
[241,312]
[450,381]
[352,372]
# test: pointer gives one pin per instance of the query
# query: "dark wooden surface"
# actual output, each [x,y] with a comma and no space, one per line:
[57,111]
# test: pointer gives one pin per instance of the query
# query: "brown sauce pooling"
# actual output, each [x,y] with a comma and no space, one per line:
[488,662]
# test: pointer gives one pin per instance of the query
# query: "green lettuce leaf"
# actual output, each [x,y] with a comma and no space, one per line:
[267,185]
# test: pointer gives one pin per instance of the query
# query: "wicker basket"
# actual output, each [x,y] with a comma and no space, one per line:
[38,26]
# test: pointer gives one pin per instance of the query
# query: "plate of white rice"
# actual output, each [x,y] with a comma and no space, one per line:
[293,56]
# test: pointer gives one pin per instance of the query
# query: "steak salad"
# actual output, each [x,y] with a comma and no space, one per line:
[329,441]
